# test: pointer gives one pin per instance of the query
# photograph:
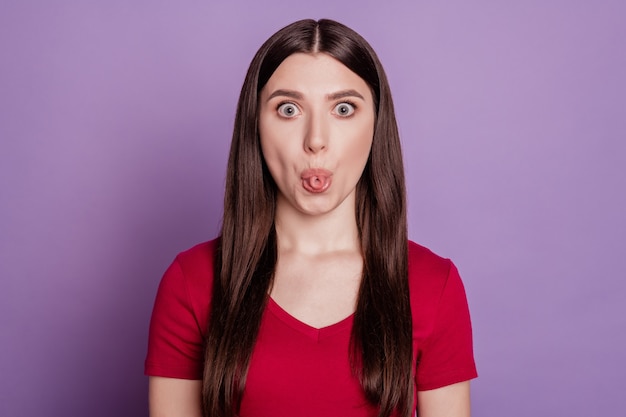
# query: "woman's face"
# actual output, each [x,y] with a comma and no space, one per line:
[316,124]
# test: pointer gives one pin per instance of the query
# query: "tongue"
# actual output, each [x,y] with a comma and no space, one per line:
[316,183]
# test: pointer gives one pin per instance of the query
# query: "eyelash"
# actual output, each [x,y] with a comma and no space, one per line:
[348,102]
[282,103]
[351,104]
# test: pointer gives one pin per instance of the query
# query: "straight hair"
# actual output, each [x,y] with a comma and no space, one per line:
[381,339]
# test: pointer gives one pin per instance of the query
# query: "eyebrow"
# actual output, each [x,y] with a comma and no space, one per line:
[286,93]
[333,96]
[344,94]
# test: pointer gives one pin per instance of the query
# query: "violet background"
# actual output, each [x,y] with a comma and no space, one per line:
[115,121]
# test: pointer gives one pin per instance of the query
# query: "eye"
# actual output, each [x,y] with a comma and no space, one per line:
[345,109]
[288,110]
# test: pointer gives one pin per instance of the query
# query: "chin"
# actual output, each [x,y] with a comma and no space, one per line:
[316,210]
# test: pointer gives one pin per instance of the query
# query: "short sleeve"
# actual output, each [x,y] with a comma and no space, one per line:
[447,354]
[175,344]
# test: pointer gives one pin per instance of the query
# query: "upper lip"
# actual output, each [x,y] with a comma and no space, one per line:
[312,172]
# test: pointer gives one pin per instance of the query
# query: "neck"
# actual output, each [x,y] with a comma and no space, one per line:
[317,234]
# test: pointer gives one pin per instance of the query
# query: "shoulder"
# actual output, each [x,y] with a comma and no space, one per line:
[442,331]
[197,261]
[426,265]
[180,315]
[429,276]
[194,268]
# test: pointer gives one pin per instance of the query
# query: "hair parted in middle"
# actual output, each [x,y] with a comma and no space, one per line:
[244,264]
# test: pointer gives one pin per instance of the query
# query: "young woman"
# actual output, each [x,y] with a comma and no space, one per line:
[312,302]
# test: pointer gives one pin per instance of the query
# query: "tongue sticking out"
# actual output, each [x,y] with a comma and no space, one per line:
[316,181]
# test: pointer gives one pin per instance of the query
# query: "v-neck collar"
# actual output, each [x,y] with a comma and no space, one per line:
[314,333]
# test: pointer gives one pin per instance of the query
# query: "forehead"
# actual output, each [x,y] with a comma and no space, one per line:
[315,73]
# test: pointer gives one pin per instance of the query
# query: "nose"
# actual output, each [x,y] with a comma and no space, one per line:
[316,136]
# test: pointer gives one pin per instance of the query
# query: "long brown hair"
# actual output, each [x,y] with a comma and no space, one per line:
[381,340]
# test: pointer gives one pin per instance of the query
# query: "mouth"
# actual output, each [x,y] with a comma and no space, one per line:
[316,180]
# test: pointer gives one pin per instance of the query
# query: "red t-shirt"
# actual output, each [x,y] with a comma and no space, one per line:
[296,369]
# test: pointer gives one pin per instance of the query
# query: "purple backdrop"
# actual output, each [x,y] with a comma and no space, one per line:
[115,120]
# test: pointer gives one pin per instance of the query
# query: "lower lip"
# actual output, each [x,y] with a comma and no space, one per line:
[316,180]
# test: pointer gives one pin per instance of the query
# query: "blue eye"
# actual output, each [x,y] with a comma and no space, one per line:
[287,110]
[345,109]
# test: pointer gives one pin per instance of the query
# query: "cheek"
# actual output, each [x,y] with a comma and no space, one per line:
[272,149]
[360,143]
[268,141]
[279,143]
[275,153]
[272,160]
